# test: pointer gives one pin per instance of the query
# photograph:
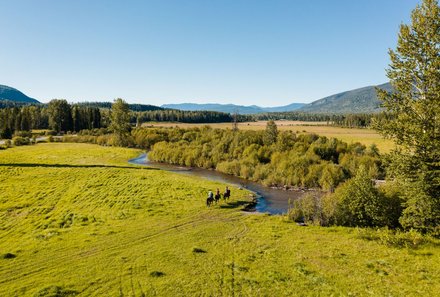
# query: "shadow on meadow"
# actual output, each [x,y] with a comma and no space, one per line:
[235,204]
[73,166]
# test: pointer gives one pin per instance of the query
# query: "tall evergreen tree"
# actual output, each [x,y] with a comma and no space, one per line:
[412,115]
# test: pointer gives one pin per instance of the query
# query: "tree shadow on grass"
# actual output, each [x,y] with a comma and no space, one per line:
[74,166]
[235,204]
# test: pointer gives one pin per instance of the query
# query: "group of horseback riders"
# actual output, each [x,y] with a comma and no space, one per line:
[216,198]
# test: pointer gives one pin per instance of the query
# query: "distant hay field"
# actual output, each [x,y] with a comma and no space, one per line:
[365,136]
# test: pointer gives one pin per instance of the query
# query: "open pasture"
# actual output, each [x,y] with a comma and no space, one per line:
[77,219]
[349,135]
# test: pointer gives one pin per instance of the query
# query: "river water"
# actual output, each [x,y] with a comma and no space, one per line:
[269,200]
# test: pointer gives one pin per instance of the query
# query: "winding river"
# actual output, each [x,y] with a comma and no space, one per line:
[269,200]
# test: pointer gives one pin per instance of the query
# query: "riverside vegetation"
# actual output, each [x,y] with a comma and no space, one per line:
[77,219]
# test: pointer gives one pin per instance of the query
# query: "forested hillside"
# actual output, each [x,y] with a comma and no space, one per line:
[11,94]
[363,100]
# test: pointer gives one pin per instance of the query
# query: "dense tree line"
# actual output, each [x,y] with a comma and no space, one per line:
[58,115]
[10,104]
[363,120]
[132,107]
[173,115]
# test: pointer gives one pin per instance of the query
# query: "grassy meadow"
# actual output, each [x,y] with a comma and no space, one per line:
[78,219]
[349,135]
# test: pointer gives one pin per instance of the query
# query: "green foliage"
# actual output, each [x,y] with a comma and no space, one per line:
[18,140]
[411,115]
[422,211]
[60,115]
[6,133]
[120,122]
[306,160]
[271,134]
[307,209]
[359,202]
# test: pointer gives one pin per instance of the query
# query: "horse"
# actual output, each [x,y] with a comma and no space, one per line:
[209,201]
[217,198]
[226,195]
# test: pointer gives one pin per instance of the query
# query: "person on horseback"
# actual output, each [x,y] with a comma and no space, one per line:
[227,193]
[210,198]
[217,195]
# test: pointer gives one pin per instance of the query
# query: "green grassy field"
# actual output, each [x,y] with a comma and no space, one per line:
[349,135]
[76,218]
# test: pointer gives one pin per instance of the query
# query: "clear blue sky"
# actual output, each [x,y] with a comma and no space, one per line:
[228,51]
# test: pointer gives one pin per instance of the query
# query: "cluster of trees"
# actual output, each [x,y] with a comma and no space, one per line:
[58,115]
[411,118]
[9,104]
[132,107]
[356,202]
[361,120]
[281,159]
[173,115]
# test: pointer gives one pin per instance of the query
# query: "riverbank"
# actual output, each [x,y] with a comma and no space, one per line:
[267,199]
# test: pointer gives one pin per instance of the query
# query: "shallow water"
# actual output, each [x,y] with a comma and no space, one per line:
[269,200]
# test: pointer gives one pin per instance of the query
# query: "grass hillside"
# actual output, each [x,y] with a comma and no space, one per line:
[11,94]
[363,100]
[77,219]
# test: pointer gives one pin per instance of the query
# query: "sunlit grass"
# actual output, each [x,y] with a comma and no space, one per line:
[78,218]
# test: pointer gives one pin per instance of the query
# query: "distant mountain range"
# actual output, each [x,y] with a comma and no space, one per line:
[232,108]
[362,100]
[11,94]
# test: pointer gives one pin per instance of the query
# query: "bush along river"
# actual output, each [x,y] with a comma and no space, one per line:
[268,200]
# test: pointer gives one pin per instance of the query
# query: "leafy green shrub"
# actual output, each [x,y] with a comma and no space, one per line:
[358,203]
[18,141]
[422,210]
[392,195]
[307,209]
[27,134]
